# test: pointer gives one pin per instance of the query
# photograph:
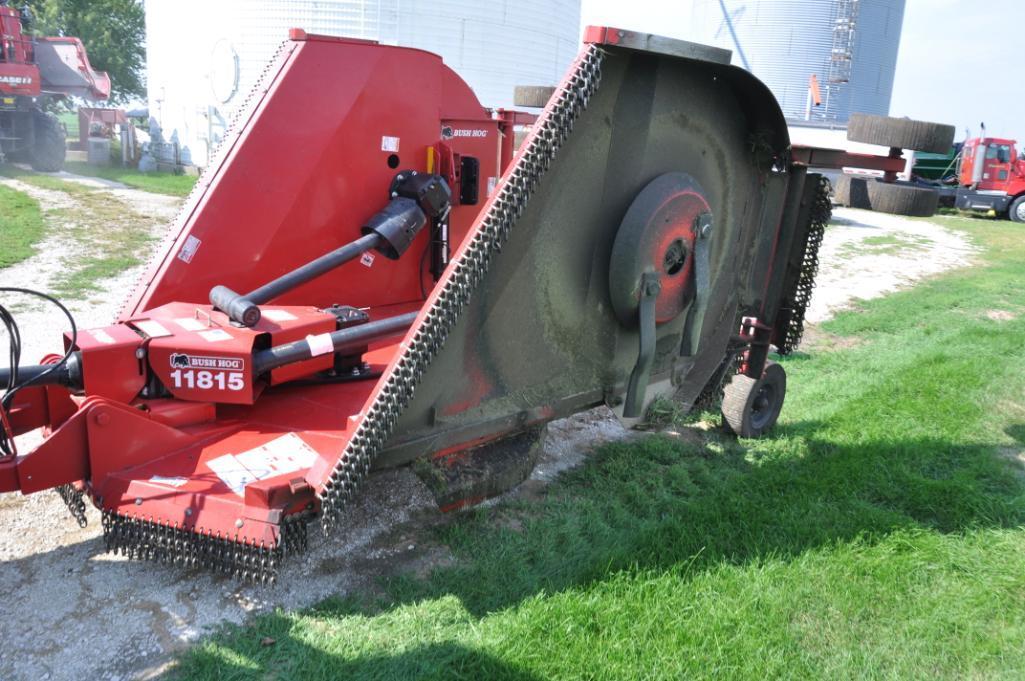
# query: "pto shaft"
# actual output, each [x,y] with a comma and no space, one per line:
[344,339]
[390,231]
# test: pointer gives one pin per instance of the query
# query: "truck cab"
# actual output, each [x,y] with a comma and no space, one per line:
[991,176]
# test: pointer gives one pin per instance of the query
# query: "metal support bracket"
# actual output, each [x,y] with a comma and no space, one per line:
[651,286]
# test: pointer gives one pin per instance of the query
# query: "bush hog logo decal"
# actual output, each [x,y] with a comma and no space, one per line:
[448,132]
[196,372]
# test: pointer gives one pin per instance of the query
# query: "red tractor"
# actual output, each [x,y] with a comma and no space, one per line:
[991,178]
[32,71]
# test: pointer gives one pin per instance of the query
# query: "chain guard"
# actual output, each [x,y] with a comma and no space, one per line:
[799,296]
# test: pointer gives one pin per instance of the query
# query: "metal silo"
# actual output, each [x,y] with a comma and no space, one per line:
[849,45]
[204,57]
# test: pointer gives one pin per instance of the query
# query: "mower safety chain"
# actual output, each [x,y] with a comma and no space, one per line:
[171,544]
[799,298]
[73,500]
[466,273]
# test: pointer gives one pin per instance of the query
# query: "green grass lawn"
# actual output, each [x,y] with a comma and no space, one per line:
[876,534]
[21,226]
[158,183]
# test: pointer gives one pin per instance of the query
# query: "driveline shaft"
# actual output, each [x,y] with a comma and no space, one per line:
[339,341]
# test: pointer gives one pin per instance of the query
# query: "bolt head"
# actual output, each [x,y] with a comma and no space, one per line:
[102,419]
[188,512]
[140,353]
[138,501]
[239,523]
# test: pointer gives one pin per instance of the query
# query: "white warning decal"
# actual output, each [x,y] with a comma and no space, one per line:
[102,336]
[190,323]
[152,328]
[390,144]
[278,315]
[170,482]
[189,248]
[492,182]
[215,335]
[367,259]
[286,454]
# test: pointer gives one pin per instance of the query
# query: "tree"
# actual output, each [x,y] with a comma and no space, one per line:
[113,32]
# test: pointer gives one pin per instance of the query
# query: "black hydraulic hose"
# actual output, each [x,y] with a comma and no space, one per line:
[351,338]
[67,374]
[244,308]
[11,379]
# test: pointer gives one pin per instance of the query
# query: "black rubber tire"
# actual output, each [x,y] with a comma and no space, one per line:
[902,199]
[534,96]
[751,407]
[48,152]
[872,194]
[903,133]
[851,191]
[1016,212]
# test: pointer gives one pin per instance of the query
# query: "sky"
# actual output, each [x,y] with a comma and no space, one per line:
[959,60]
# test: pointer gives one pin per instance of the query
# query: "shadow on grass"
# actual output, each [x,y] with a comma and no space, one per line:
[437,661]
[661,503]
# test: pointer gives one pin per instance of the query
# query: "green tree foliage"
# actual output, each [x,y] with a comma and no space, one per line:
[114,34]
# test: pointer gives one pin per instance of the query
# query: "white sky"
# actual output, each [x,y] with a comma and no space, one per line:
[959,60]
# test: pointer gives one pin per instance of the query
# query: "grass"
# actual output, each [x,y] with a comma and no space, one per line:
[21,226]
[48,182]
[155,182]
[876,534]
[884,244]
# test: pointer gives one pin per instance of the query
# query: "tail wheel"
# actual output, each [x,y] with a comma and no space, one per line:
[751,406]
[47,154]
[1017,210]
[903,133]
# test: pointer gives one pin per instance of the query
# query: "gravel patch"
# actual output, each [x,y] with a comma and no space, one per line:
[854,266]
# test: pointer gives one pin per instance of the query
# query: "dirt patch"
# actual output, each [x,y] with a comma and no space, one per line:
[817,340]
[999,315]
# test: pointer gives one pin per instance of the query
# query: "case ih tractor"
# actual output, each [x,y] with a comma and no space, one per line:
[32,71]
[393,282]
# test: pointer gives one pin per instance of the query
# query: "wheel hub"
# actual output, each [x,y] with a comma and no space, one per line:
[657,234]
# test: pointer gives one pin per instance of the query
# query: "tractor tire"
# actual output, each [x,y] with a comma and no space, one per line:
[903,133]
[48,152]
[532,96]
[1017,210]
[750,407]
[899,199]
[851,191]
[902,199]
